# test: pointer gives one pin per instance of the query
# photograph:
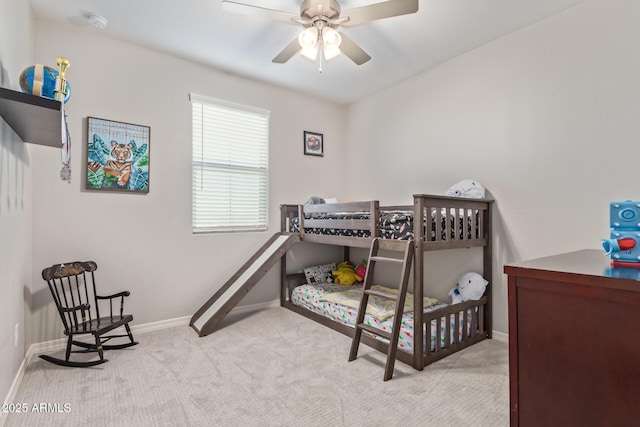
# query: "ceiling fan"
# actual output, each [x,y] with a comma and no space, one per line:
[320,20]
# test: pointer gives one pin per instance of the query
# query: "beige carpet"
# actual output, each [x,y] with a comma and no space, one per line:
[271,368]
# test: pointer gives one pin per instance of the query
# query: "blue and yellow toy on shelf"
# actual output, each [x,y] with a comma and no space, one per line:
[624,243]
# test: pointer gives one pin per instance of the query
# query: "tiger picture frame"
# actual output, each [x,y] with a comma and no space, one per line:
[117,156]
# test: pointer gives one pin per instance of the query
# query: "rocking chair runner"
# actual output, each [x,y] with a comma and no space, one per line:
[73,288]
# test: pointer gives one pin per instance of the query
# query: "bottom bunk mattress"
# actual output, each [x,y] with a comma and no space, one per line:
[340,303]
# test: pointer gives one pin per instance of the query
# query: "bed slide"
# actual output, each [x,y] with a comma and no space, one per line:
[220,304]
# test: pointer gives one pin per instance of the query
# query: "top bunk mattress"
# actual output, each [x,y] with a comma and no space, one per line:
[397,225]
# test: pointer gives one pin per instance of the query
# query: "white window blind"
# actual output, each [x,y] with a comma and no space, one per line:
[230,177]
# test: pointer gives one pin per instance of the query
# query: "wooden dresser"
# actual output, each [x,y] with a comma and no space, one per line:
[574,341]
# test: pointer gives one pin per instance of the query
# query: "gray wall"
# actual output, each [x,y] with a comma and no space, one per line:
[16,52]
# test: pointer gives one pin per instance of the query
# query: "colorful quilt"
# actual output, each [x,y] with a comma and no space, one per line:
[378,307]
[312,298]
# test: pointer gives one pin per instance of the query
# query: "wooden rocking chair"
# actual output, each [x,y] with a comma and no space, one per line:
[73,288]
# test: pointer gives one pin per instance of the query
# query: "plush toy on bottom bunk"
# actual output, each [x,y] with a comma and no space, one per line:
[361,269]
[345,274]
[471,286]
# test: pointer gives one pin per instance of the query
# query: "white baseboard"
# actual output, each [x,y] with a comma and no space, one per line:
[54,345]
[499,336]
[161,324]
[13,390]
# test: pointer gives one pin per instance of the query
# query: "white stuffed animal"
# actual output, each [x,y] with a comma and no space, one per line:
[467,188]
[471,286]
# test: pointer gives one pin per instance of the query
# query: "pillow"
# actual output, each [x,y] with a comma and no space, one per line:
[319,273]
[314,200]
[467,188]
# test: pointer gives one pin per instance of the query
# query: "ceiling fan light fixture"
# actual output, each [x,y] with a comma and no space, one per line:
[308,40]
[310,53]
[330,43]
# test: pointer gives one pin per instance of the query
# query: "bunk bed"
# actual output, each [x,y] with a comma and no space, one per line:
[447,223]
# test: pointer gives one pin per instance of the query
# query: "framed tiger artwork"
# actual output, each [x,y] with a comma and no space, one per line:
[117,156]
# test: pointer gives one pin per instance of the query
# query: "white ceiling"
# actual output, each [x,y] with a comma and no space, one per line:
[400,47]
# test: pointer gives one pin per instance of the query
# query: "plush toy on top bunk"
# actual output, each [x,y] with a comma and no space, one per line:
[470,286]
[345,274]
[467,188]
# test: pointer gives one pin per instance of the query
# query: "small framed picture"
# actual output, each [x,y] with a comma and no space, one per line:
[313,144]
[117,156]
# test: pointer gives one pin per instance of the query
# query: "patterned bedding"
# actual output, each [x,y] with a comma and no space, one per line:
[311,297]
[396,225]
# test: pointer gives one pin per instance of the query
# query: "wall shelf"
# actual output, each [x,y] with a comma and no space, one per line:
[36,120]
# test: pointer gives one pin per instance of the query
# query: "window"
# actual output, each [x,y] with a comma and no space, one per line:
[230,174]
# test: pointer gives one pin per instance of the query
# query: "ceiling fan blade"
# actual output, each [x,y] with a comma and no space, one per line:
[385,9]
[286,53]
[247,9]
[353,51]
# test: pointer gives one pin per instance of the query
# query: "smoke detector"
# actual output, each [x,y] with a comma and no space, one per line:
[96,21]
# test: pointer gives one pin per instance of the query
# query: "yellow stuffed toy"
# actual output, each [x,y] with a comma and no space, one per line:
[345,275]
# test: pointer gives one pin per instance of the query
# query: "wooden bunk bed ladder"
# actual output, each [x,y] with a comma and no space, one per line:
[394,245]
